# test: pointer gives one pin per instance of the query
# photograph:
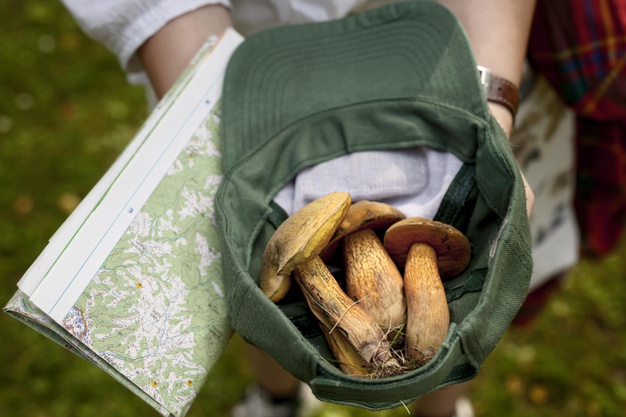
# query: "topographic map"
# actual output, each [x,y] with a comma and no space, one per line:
[154,315]
[158,295]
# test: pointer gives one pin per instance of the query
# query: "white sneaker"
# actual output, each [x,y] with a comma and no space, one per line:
[257,403]
[463,408]
[309,403]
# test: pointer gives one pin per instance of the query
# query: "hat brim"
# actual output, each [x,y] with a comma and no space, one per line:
[399,76]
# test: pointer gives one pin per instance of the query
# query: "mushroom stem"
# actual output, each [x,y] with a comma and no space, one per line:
[344,354]
[428,316]
[345,315]
[374,280]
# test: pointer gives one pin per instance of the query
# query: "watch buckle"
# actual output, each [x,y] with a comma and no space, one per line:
[485,77]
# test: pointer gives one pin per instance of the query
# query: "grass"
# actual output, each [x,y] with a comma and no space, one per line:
[66,112]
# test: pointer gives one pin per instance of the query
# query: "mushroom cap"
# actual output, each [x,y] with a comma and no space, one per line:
[364,214]
[299,239]
[452,247]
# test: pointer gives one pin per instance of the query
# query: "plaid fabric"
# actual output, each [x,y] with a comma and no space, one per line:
[580,47]
[601,187]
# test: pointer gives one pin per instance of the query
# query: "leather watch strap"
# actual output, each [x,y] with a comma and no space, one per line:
[499,90]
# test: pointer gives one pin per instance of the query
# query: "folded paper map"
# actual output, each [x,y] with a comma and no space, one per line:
[132,281]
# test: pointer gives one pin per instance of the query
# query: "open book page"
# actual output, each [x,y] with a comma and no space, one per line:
[132,281]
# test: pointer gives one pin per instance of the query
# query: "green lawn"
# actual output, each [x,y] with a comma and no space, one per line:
[66,112]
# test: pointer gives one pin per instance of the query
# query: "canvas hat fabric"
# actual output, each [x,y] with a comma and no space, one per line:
[391,78]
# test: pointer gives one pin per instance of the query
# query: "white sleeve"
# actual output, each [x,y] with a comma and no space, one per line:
[124,25]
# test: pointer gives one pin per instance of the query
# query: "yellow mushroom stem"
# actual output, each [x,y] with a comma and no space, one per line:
[345,315]
[343,354]
[428,318]
[374,280]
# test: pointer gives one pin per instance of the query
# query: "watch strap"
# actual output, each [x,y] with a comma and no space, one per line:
[499,90]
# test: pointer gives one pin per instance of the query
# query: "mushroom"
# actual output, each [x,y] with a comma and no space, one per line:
[294,250]
[428,251]
[372,277]
[298,239]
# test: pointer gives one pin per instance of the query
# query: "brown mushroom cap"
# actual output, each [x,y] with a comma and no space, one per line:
[299,239]
[364,214]
[452,247]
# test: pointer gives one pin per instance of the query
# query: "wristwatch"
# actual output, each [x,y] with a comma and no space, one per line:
[499,90]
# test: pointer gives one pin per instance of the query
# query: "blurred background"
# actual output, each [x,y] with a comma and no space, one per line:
[66,112]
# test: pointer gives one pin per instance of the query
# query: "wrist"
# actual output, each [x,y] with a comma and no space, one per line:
[503,116]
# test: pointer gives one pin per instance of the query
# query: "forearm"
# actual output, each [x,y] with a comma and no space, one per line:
[498,31]
[165,55]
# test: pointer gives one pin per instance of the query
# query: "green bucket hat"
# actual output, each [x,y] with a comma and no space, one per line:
[391,78]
